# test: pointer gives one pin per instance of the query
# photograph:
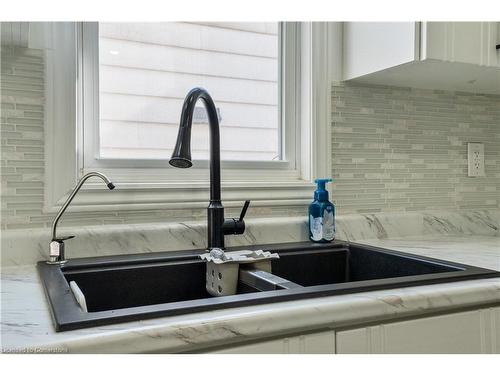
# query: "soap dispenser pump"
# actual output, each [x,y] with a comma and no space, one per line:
[321,214]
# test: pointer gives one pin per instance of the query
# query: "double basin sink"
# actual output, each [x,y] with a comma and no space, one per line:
[143,286]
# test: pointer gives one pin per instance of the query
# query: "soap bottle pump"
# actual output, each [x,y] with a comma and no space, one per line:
[321,214]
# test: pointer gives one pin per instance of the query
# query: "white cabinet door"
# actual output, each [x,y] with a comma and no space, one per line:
[406,51]
[369,47]
[312,343]
[468,332]
[463,42]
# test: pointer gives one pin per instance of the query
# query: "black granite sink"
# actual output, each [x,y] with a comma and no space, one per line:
[352,264]
[133,287]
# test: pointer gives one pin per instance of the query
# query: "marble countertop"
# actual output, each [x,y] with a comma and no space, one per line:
[26,325]
[479,251]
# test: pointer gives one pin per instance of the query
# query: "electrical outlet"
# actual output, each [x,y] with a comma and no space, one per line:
[475,157]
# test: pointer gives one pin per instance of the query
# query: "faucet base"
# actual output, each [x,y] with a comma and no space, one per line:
[60,262]
[56,252]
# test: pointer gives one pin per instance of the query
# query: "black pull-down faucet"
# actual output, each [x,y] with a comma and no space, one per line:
[181,158]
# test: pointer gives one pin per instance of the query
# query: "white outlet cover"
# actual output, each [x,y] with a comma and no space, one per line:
[475,159]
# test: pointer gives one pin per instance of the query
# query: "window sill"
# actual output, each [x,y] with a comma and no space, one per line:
[132,196]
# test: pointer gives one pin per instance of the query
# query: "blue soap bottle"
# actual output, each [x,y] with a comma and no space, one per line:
[321,214]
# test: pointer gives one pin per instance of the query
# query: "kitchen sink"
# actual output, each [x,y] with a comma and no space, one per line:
[132,287]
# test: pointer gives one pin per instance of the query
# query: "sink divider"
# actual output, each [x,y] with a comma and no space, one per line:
[264,281]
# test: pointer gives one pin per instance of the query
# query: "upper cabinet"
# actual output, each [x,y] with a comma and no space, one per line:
[463,42]
[370,47]
[458,56]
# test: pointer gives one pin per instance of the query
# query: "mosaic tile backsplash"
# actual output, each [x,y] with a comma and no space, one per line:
[403,149]
[393,149]
[22,135]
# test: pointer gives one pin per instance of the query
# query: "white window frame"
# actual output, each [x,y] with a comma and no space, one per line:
[160,169]
[153,184]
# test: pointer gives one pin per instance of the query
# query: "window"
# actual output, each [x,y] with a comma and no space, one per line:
[146,69]
[114,98]
[134,77]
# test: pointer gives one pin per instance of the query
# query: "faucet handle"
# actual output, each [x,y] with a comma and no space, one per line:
[244,210]
[236,226]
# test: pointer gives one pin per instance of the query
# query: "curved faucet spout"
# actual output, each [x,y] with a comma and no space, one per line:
[181,157]
[109,184]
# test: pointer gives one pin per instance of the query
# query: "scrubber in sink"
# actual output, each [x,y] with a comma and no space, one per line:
[223,268]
